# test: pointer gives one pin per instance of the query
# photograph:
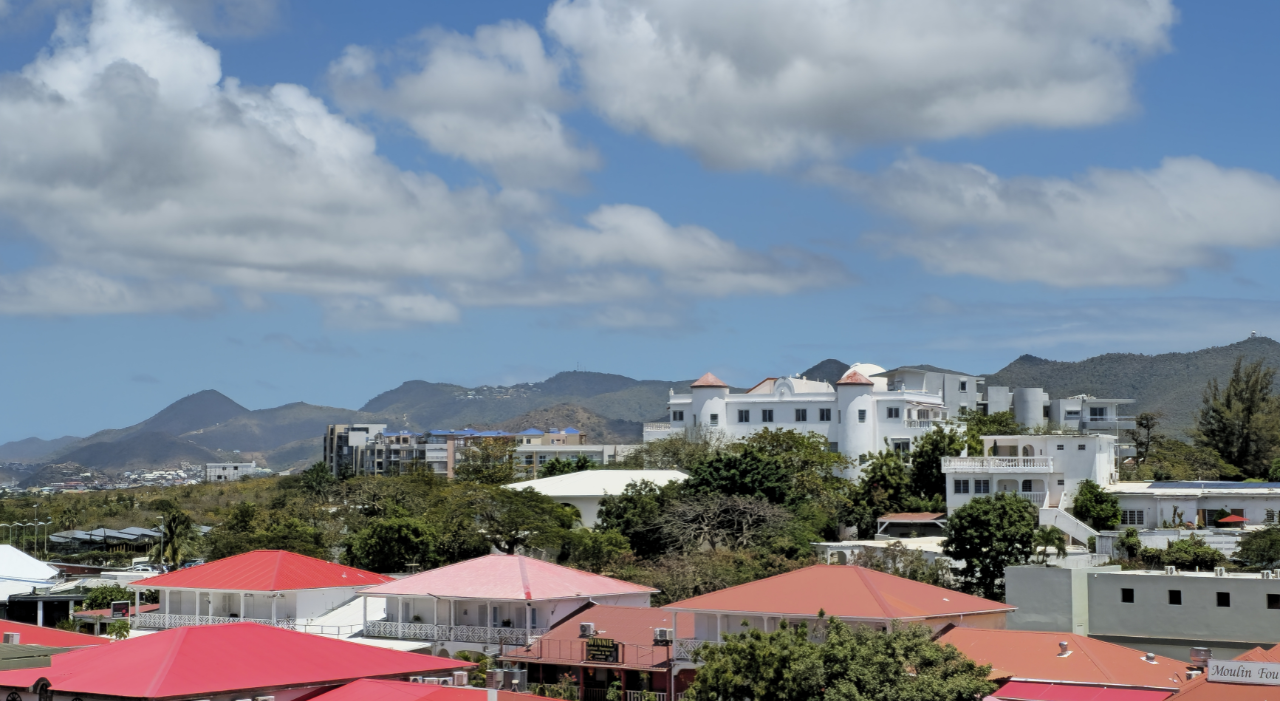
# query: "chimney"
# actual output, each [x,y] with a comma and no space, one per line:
[1151,657]
[1200,656]
[1062,649]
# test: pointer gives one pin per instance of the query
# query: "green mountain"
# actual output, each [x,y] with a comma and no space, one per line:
[1171,382]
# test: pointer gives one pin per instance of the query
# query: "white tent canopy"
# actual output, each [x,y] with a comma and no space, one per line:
[19,572]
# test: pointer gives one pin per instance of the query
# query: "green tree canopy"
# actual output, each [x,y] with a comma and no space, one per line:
[850,664]
[510,519]
[101,597]
[1241,422]
[636,513]
[989,534]
[749,473]
[389,545]
[489,460]
[1096,507]
[884,487]
[593,551]
[1261,548]
[978,425]
[927,479]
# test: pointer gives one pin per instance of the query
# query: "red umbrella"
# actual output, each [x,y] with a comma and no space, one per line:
[1233,519]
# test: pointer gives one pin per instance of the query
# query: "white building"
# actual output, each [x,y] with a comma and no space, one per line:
[860,415]
[395,452]
[1044,469]
[1151,504]
[584,490]
[232,471]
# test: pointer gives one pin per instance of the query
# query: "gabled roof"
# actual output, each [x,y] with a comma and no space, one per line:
[263,570]
[1201,689]
[19,566]
[1033,656]
[52,637]
[709,380]
[385,690]
[597,483]
[197,661]
[844,591]
[853,377]
[506,578]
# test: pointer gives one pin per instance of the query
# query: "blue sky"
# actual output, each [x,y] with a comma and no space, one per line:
[317,201]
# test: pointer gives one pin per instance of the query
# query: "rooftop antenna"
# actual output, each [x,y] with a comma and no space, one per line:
[1253,334]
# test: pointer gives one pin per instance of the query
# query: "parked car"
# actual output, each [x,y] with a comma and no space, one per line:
[191,563]
[143,568]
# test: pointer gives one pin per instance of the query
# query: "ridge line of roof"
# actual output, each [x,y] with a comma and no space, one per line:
[524,581]
[885,607]
[1106,672]
[162,669]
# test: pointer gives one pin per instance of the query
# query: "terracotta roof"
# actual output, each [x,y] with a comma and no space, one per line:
[853,377]
[1047,691]
[263,570]
[197,661]
[1201,689]
[51,637]
[506,578]
[844,591]
[1033,655]
[912,517]
[384,690]
[708,380]
[628,625]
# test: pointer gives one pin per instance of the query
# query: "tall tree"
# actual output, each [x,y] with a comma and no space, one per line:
[749,473]
[637,513]
[989,534]
[1047,537]
[389,545]
[1143,435]
[511,519]
[927,479]
[1093,506]
[976,426]
[489,460]
[1242,421]
[1261,549]
[884,487]
[179,542]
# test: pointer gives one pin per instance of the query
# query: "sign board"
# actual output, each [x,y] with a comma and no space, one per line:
[602,650]
[119,609]
[1237,672]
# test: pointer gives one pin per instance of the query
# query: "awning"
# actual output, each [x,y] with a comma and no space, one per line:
[1042,691]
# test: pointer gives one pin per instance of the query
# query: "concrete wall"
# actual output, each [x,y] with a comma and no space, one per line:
[1050,598]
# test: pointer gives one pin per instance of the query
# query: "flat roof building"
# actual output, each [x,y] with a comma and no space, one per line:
[583,490]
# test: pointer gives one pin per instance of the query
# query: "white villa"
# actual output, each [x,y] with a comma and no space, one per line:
[584,490]
[1151,504]
[489,601]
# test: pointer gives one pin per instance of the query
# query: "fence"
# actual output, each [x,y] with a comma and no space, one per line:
[461,634]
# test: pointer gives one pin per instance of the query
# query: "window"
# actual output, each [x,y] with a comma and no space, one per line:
[1273,601]
[1097,413]
[964,386]
[862,416]
[542,459]
[1126,596]
[714,419]
[902,446]
[824,414]
[533,617]
[1271,516]
[962,486]
[893,412]
[802,414]
[677,416]
[528,459]
[1046,412]
[744,416]
[1131,518]
[1175,597]
[1061,447]
[1061,482]
[982,486]
[1080,447]
[766,416]
[1073,414]
[1224,599]
[833,447]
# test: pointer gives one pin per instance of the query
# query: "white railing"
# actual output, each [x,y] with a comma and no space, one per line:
[646,696]
[685,648]
[461,634]
[1036,498]
[657,426]
[992,465]
[175,620]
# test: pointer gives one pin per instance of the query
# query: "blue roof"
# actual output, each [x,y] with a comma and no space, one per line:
[571,429]
[530,432]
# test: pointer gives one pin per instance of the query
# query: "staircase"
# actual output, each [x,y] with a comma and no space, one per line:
[1078,530]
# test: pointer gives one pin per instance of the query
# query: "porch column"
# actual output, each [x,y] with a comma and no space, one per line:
[168,607]
[435,610]
[528,622]
[40,612]
[137,602]
[242,606]
[488,615]
[364,615]
[399,616]
[273,608]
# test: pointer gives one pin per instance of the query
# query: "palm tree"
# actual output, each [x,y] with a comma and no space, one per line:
[179,539]
[1047,537]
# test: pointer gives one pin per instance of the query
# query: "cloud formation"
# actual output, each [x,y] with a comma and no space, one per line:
[765,83]
[1106,227]
[492,99]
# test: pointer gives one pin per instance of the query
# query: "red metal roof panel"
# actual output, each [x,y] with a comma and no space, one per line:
[263,570]
[384,690]
[49,637]
[506,577]
[1040,691]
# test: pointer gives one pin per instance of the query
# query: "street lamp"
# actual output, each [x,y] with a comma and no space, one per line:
[161,517]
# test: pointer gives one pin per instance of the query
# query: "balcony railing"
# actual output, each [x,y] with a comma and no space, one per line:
[174,620]
[686,648]
[1037,498]
[646,696]
[444,633]
[994,465]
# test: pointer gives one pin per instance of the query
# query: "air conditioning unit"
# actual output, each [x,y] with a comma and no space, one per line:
[493,679]
[435,681]
[417,680]
[11,638]
[1219,571]
[518,677]
[461,678]
[663,636]
[586,630]
[1171,570]
[1267,574]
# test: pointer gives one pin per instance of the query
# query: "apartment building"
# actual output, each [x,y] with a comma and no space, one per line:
[231,471]
[1152,504]
[344,445]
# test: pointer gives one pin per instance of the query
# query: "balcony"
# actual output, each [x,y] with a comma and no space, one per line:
[997,465]
[1037,498]
[164,621]
[458,634]
[687,648]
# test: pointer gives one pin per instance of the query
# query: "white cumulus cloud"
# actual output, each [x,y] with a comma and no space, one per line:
[1105,227]
[764,83]
[492,99]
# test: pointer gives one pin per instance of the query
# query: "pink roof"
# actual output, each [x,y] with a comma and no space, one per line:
[51,637]
[1044,691]
[196,661]
[708,380]
[853,377]
[263,570]
[1201,689]
[506,577]
[843,591]
[383,690]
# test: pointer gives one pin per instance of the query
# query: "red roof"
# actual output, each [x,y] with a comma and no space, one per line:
[106,613]
[628,625]
[1027,654]
[383,690]
[263,570]
[509,578]
[205,660]
[911,517]
[1041,691]
[1201,689]
[853,377]
[51,637]
[844,591]
[708,380]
